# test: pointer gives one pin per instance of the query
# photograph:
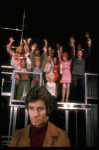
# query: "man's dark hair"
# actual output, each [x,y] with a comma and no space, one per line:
[40,93]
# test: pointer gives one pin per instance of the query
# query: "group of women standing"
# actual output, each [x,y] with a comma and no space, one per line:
[55,70]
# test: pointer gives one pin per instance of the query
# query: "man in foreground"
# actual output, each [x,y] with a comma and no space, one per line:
[40,132]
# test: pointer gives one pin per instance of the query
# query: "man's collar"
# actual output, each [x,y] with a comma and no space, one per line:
[48,141]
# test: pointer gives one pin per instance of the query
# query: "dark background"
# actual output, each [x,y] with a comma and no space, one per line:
[54,21]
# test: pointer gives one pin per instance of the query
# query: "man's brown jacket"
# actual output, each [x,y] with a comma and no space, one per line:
[55,137]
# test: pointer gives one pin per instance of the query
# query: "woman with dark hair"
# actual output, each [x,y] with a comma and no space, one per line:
[40,132]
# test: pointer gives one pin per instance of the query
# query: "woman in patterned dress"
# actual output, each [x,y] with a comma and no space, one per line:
[18,55]
[38,67]
[65,65]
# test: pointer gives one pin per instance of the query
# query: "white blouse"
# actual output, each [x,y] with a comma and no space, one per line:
[51,86]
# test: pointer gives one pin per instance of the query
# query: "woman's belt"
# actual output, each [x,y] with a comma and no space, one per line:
[65,68]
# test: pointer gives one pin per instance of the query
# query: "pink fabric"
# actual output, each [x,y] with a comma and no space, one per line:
[66,74]
[17,58]
[9,50]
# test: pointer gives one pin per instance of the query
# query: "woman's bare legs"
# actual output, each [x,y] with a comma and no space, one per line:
[67,91]
[63,91]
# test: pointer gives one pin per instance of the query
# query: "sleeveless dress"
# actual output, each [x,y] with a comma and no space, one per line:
[66,74]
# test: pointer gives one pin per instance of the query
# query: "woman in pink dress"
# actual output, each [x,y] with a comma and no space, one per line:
[65,65]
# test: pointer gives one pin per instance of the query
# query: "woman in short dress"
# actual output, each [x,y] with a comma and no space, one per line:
[65,73]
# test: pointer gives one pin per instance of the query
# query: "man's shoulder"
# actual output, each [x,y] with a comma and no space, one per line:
[20,136]
[52,128]
[60,135]
[56,130]
[21,131]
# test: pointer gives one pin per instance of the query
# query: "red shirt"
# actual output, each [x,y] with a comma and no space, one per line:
[37,135]
[55,71]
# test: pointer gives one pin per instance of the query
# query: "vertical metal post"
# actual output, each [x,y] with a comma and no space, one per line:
[66,120]
[11,109]
[88,129]
[40,79]
[26,118]
[2,85]
[47,117]
[94,126]
[85,88]
[97,87]
[12,88]
[22,26]
[14,120]
[76,127]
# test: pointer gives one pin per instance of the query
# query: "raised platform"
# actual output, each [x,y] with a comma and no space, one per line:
[76,106]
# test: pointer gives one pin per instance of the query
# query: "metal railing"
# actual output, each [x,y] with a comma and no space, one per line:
[4,140]
[89,109]
[91,121]
[91,87]
[91,125]
[12,100]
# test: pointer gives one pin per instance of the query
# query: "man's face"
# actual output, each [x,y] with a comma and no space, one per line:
[37,113]
[79,54]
